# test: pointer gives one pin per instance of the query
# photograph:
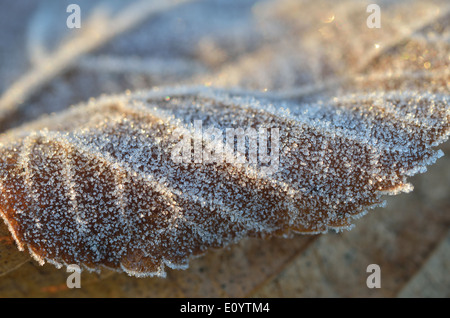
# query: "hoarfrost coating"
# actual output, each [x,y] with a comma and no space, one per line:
[96,185]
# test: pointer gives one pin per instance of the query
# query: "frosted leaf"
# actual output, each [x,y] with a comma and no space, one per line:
[96,185]
[359,110]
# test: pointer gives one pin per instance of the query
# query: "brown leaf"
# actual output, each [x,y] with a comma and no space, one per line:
[100,186]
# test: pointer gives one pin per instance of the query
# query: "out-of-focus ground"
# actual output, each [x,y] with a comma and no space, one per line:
[273,45]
